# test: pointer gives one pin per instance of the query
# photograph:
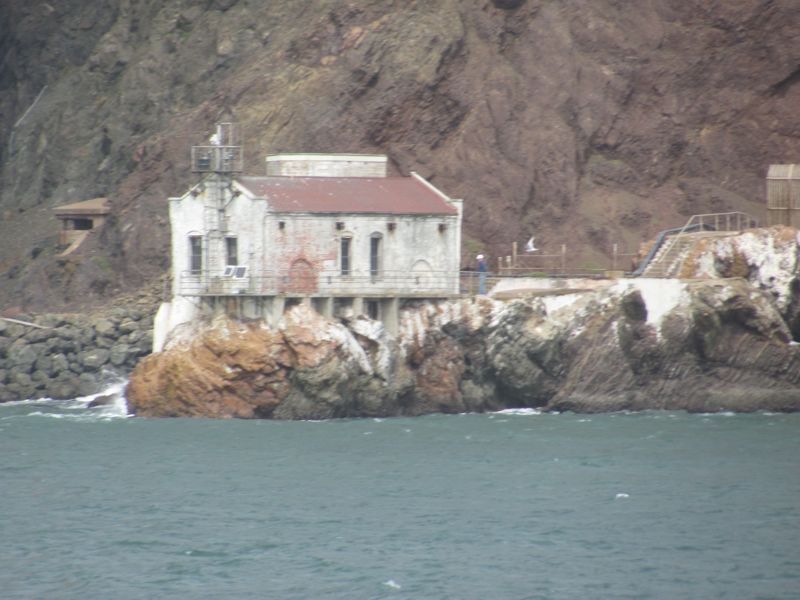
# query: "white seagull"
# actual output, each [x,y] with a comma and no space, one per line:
[529,247]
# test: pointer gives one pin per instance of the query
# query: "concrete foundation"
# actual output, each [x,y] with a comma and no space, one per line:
[270,309]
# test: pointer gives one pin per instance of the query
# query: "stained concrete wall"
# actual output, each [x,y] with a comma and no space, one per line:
[298,255]
[300,252]
[326,165]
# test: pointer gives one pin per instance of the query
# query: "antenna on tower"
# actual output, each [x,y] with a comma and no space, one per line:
[222,154]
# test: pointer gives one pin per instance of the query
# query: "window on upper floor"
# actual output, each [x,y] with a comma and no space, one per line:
[195,254]
[345,255]
[231,251]
[375,258]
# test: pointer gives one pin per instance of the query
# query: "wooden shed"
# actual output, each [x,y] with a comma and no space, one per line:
[783,195]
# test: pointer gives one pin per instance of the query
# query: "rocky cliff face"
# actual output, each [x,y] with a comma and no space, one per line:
[635,344]
[588,121]
[767,258]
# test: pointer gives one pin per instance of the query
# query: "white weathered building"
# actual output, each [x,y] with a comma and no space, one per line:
[333,231]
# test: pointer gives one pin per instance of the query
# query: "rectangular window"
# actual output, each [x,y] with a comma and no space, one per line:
[375,256]
[195,254]
[373,310]
[231,252]
[344,255]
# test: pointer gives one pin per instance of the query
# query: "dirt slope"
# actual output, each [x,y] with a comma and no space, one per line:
[586,122]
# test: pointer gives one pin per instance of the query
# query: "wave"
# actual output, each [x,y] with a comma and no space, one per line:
[518,411]
[109,403]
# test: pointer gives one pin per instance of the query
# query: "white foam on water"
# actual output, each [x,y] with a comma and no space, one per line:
[392,584]
[78,408]
[33,401]
[518,411]
[621,495]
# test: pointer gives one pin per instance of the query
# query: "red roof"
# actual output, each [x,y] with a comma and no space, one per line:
[385,195]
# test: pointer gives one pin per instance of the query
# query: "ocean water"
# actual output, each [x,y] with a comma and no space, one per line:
[512,505]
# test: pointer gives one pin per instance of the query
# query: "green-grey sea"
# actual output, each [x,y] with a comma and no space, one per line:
[511,505]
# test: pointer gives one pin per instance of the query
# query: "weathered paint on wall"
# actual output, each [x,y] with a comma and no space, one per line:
[299,252]
[284,256]
[326,165]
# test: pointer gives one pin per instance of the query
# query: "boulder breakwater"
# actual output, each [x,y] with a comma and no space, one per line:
[63,356]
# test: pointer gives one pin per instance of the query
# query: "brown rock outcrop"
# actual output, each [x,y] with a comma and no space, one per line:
[639,344]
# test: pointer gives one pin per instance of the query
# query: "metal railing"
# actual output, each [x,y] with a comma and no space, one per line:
[217,159]
[672,240]
[325,283]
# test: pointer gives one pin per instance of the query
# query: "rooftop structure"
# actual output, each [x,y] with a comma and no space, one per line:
[783,195]
[326,165]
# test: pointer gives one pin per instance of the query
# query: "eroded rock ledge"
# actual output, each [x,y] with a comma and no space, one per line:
[638,344]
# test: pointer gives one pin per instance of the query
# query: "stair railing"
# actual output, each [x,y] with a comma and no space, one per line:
[730,221]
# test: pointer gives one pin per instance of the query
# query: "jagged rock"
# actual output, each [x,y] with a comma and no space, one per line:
[104,327]
[21,357]
[12,331]
[59,363]
[94,359]
[118,355]
[63,387]
[715,345]
[102,341]
[35,335]
[101,401]
[53,321]
[128,326]
[23,380]
[766,257]
[44,364]
[40,377]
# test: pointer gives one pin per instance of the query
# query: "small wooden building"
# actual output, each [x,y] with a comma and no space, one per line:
[783,195]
